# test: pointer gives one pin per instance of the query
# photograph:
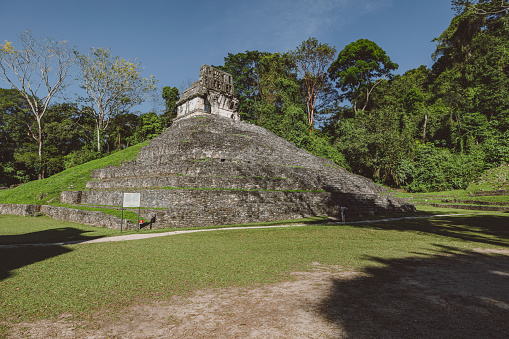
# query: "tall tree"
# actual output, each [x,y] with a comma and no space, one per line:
[38,71]
[171,96]
[358,69]
[312,59]
[113,85]
[471,70]
[482,7]
[14,118]
[274,69]
[245,69]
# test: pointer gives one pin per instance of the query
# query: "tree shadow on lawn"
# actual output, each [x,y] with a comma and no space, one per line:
[487,229]
[54,235]
[17,257]
[35,246]
[450,294]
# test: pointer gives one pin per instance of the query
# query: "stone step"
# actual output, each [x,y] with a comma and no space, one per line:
[252,183]
[220,199]
[205,215]
[305,178]
[476,202]
[203,167]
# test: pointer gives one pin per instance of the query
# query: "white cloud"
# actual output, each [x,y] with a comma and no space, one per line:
[284,24]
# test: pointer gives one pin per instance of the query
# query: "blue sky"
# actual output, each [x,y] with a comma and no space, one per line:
[172,39]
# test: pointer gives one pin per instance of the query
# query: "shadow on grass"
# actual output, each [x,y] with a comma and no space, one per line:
[14,257]
[17,257]
[53,235]
[487,229]
[450,294]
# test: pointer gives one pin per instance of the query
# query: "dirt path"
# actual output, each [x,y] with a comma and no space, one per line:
[444,296]
[137,236]
[284,310]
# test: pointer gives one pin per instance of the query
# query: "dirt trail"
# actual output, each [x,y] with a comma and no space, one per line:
[448,295]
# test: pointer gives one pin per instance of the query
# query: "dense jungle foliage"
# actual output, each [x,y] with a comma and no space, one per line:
[424,130]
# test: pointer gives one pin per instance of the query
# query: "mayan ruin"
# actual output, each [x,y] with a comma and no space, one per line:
[209,168]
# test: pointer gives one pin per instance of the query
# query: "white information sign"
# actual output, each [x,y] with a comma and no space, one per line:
[132,200]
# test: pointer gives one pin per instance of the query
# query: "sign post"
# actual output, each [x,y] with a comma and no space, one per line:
[343,210]
[130,200]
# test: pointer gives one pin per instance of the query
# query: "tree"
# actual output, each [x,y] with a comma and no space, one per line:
[14,118]
[471,70]
[277,82]
[171,96]
[64,133]
[311,59]
[125,126]
[113,85]
[41,65]
[482,7]
[245,69]
[358,69]
[149,126]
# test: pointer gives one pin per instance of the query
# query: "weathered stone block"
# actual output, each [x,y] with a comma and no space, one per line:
[20,209]
[92,218]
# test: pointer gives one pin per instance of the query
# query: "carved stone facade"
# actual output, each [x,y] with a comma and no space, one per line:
[213,93]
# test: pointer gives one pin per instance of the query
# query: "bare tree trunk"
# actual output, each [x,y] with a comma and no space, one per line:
[98,142]
[41,171]
[311,109]
[119,143]
[38,139]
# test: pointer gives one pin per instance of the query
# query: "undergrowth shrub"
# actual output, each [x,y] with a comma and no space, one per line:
[437,169]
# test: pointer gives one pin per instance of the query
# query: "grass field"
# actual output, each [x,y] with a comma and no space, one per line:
[41,282]
[46,281]
[460,196]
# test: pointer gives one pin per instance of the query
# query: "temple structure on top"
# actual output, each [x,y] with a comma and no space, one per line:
[213,93]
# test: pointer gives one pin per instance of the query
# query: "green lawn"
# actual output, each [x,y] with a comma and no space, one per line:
[462,195]
[40,282]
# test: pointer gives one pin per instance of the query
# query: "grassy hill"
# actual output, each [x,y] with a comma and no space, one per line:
[47,191]
[490,192]
[494,179]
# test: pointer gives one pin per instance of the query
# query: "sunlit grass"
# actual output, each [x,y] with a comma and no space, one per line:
[83,279]
[461,196]
[75,178]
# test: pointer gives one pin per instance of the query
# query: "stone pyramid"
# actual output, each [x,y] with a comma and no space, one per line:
[209,168]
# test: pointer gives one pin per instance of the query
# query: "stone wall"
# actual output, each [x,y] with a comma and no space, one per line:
[470,207]
[490,193]
[186,208]
[92,218]
[20,209]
